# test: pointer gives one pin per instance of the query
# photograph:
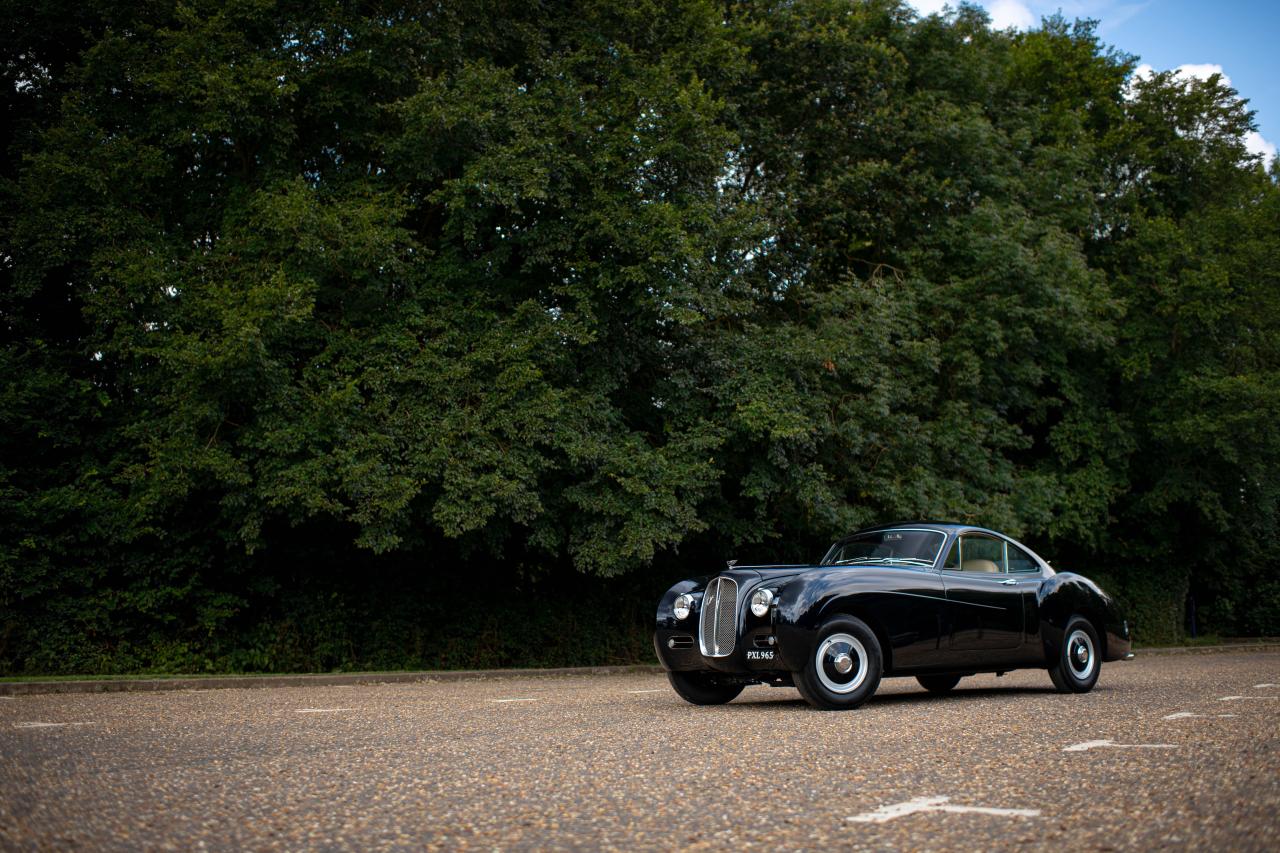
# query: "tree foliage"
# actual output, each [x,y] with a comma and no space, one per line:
[312,313]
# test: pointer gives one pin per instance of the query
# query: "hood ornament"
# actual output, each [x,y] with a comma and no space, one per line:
[731,563]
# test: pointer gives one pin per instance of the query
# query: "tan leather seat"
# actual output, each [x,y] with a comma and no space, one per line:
[979,566]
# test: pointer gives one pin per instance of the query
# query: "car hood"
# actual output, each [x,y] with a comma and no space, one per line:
[748,576]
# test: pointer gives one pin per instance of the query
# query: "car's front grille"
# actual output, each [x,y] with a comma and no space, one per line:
[718,628]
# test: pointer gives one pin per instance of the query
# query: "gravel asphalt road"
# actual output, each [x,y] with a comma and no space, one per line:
[1175,752]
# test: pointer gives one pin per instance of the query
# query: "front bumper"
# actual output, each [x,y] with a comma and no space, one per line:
[755,652]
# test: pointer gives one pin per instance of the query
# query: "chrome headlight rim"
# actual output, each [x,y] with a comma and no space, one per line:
[761,601]
[682,607]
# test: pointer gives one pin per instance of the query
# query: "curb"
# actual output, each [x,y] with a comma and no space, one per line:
[344,679]
[1208,650]
[217,682]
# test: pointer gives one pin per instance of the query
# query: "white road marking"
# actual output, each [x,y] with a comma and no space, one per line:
[321,710]
[1094,744]
[513,700]
[1233,698]
[1255,687]
[645,691]
[1183,715]
[935,804]
[47,725]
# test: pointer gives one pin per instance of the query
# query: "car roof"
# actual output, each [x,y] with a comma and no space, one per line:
[945,526]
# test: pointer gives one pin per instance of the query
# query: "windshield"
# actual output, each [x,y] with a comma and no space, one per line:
[909,547]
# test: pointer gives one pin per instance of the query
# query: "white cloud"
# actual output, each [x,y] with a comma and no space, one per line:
[1202,71]
[1143,72]
[1255,144]
[1025,14]
[1011,13]
[929,7]
[1004,13]
[1192,70]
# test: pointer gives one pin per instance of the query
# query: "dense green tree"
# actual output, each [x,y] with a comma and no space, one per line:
[315,315]
[1191,248]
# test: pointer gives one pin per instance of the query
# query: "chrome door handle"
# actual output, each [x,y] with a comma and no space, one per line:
[1009,582]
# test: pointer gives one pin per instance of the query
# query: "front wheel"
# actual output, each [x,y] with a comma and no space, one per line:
[1078,662]
[938,683]
[700,688]
[845,667]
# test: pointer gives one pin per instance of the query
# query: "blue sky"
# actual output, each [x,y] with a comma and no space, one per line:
[1237,38]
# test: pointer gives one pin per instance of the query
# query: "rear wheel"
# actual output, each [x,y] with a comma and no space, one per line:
[938,683]
[845,667]
[700,688]
[1076,669]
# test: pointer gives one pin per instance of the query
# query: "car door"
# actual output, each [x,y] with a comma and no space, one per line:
[984,602]
[1028,577]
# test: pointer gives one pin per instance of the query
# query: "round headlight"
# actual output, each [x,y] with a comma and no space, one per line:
[683,606]
[760,601]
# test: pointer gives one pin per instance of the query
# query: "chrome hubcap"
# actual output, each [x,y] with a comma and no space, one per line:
[1080,654]
[841,663]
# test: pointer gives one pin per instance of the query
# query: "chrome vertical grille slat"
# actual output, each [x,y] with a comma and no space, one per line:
[707,616]
[718,621]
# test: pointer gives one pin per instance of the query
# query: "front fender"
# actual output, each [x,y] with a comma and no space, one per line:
[807,602]
[666,626]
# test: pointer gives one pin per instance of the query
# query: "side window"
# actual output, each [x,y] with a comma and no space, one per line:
[981,554]
[953,557]
[1020,561]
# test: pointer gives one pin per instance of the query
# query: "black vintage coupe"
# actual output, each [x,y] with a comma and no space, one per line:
[937,601]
